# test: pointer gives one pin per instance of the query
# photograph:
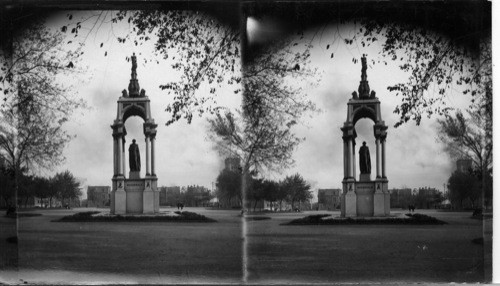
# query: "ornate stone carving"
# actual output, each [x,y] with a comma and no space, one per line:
[133,86]
[364,88]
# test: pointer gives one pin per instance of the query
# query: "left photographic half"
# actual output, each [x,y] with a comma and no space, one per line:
[110,163]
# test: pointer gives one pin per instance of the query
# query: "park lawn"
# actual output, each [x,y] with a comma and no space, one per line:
[365,253]
[167,251]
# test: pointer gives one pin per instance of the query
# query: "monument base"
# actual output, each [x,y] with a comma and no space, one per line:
[133,175]
[364,178]
[135,196]
[365,198]
[120,202]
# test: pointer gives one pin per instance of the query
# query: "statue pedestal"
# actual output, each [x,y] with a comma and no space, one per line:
[350,204]
[365,198]
[364,194]
[132,175]
[364,178]
[135,196]
[120,202]
[378,204]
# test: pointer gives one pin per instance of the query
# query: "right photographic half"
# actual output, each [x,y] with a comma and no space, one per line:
[366,136]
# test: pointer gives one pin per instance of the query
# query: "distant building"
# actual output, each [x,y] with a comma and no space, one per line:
[232,164]
[329,199]
[98,196]
[401,198]
[428,198]
[464,165]
[170,196]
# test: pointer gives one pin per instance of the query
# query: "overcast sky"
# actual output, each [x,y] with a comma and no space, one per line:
[184,155]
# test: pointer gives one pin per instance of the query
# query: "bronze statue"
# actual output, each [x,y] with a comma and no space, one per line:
[133,86]
[134,63]
[134,157]
[365,165]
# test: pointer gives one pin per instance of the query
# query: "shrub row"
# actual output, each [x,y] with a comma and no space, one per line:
[415,219]
[88,217]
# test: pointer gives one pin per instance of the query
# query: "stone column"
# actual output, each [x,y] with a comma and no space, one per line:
[383,158]
[354,158]
[345,159]
[349,158]
[377,142]
[123,157]
[153,171]
[119,155]
[115,156]
[148,156]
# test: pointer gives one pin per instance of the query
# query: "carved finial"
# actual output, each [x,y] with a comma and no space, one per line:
[354,95]
[124,93]
[133,86]
[134,64]
[364,88]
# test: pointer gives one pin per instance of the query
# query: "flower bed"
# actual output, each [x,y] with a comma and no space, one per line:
[326,219]
[95,216]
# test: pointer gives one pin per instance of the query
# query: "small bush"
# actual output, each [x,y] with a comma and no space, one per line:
[79,216]
[424,219]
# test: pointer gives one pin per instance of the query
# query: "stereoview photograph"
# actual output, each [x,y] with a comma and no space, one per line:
[246,142]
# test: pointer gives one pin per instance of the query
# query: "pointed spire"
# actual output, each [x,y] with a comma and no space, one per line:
[364,88]
[133,86]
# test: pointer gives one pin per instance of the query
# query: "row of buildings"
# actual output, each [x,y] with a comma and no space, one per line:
[99,196]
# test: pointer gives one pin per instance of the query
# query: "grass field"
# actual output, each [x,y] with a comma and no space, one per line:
[366,253]
[144,252]
[163,252]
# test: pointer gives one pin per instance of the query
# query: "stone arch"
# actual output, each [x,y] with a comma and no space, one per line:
[363,112]
[134,110]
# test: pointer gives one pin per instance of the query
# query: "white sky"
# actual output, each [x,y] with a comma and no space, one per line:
[184,156]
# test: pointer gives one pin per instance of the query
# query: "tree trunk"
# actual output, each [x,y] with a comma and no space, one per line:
[16,184]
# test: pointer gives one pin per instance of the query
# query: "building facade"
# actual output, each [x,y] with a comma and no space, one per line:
[98,196]
[401,198]
[329,199]
[464,165]
[170,196]
[232,164]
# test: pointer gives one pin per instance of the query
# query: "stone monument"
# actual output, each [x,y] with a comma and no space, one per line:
[364,197]
[134,195]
